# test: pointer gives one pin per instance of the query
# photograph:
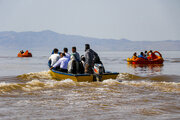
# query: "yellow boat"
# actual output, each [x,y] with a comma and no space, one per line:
[82,77]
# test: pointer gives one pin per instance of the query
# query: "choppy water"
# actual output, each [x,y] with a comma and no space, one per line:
[27,90]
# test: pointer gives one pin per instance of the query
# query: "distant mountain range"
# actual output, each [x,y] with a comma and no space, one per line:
[48,40]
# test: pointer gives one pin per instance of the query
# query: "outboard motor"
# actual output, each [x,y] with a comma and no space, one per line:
[98,71]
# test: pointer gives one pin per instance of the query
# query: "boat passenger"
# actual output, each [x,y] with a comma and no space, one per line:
[134,56]
[72,65]
[21,51]
[91,58]
[145,54]
[141,55]
[66,53]
[153,56]
[54,57]
[61,64]
[76,54]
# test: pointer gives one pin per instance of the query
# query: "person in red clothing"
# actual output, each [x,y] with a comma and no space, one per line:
[152,56]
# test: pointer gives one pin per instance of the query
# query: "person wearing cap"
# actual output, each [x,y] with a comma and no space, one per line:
[91,57]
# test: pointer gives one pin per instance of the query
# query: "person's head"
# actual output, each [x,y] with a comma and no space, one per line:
[142,53]
[82,58]
[135,54]
[150,51]
[62,54]
[65,50]
[87,46]
[145,51]
[55,50]
[73,49]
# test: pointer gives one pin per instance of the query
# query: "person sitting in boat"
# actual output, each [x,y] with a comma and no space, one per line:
[21,51]
[61,64]
[91,57]
[75,53]
[54,57]
[145,54]
[134,56]
[75,67]
[66,53]
[72,65]
[142,55]
[152,56]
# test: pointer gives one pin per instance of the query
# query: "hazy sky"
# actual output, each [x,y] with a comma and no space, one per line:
[132,19]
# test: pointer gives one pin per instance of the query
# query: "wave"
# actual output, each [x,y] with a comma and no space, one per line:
[159,78]
[172,60]
[37,75]
[157,86]
[37,85]
[43,80]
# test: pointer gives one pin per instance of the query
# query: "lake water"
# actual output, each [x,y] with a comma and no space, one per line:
[27,90]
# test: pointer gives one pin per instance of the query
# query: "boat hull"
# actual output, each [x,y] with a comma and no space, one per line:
[144,61]
[81,77]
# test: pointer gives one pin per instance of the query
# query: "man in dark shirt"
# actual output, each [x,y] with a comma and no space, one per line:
[91,57]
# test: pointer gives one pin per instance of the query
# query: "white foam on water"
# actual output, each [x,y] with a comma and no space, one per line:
[110,82]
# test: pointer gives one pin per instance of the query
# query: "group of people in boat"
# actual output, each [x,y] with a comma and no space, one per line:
[145,55]
[73,63]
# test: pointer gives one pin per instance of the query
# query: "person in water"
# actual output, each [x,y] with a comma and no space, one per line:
[54,57]
[76,54]
[91,57]
[61,64]
[134,56]
[66,53]
[141,55]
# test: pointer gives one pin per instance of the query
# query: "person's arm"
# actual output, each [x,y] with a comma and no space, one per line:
[58,63]
[51,68]
[50,57]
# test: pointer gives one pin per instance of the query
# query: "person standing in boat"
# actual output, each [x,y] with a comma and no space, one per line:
[61,64]
[91,57]
[54,57]
[76,54]
[66,53]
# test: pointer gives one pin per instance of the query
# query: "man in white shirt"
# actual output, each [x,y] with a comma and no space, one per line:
[54,57]
[66,53]
[62,63]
